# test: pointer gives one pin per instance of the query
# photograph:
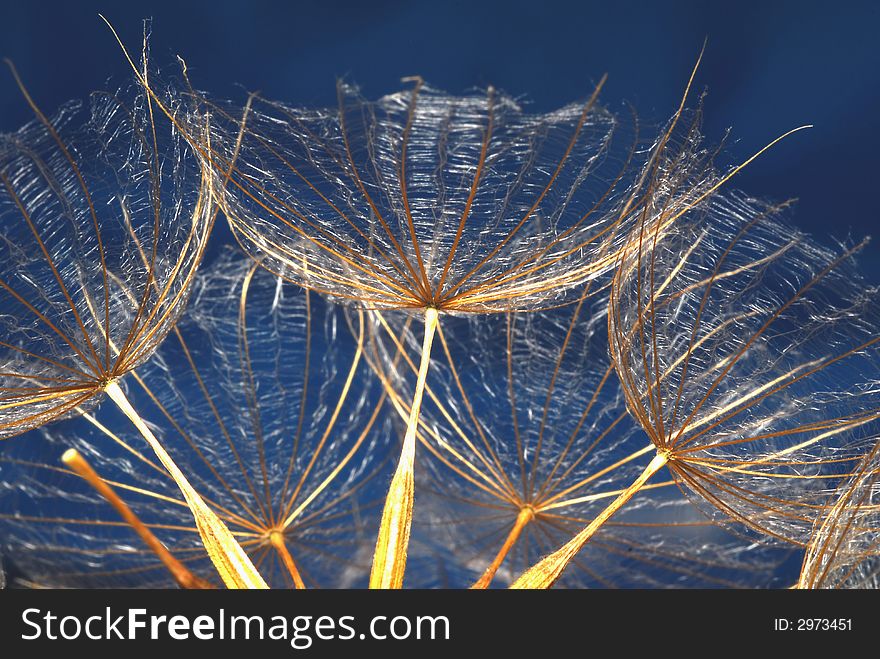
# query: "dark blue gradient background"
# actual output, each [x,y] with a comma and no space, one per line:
[769,66]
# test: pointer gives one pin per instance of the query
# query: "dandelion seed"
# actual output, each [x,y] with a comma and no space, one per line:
[278,428]
[753,392]
[844,550]
[104,218]
[506,479]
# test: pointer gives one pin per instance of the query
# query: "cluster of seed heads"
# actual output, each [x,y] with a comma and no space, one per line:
[462,344]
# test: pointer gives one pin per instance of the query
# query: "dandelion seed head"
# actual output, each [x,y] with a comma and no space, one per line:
[104,216]
[249,396]
[749,360]
[422,199]
[524,415]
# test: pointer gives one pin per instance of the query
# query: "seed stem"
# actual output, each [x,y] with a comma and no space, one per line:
[183,576]
[229,558]
[545,573]
[526,515]
[389,559]
[277,539]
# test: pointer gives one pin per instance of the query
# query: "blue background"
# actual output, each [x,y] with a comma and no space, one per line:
[769,66]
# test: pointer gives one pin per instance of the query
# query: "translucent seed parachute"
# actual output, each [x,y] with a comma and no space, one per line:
[525,437]
[104,218]
[266,405]
[422,199]
[844,550]
[748,354]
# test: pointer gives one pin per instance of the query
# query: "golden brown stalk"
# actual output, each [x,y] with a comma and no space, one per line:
[277,540]
[545,573]
[389,559]
[526,515]
[229,558]
[183,576]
